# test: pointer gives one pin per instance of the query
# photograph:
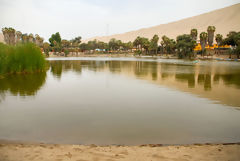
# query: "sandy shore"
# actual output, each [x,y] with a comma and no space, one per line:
[53,152]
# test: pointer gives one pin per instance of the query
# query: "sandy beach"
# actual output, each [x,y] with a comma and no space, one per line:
[53,152]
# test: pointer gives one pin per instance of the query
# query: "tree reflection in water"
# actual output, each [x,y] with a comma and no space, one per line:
[22,84]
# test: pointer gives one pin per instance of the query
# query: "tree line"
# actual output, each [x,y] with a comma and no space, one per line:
[12,37]
[183,46]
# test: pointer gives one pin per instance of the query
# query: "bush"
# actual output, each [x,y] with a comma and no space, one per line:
[66,51]
[23,58]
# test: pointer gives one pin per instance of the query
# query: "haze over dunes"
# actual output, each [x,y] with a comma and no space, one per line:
[225,20]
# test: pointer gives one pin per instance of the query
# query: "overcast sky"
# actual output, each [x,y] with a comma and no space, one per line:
[88,18]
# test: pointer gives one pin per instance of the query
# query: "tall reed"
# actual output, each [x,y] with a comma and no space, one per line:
[22,58]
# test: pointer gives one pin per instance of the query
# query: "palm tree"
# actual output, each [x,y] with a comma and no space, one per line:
[24,38]
[154,43]
[128,46]
[9,35]
[145,44]
[211,30]
[203,41]
[30,38]
[219,39]
[37,39]
[12,35]
[194,34]
[18,36]
[162,47]
[165,43]
[41,41]
[137,42]
[6,35]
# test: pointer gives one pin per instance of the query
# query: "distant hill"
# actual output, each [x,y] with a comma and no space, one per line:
[225,20]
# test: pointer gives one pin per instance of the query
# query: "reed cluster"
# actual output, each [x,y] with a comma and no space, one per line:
[22,58]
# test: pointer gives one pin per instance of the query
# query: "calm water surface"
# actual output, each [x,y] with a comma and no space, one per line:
[123,101]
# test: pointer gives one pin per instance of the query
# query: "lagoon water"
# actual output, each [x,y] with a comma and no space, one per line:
[127,101]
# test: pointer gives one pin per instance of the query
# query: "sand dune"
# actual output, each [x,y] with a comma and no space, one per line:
[225,20]
[1,37]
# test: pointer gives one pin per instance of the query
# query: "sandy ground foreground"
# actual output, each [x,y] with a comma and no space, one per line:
[49,152]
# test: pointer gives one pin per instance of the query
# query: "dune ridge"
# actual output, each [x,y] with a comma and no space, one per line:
[225,20]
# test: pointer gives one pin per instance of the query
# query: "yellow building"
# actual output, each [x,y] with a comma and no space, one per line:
[215,46]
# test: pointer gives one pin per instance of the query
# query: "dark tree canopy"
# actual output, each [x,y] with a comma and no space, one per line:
[55,37]
[185,46]
[233,39]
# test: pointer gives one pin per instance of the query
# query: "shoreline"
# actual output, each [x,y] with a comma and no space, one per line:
[216,58]
[62,152]
[5,141]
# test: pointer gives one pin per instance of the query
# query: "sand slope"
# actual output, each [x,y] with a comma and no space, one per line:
[24,152]
[1,37]
[225,20]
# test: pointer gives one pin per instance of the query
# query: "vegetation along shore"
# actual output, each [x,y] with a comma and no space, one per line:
[191,46]
[20,54]
[22,58]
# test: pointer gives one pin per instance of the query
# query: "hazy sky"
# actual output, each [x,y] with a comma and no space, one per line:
[88,18]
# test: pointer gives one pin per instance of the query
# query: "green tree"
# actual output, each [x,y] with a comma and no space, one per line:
[169,45]
[154,44]
[55,37]
[137,43]
[211,30]
[56,46]
[145,44]
[185,46]
[128,46]
[233,39]
[114,44]
[194,34]
[203,41]
[46,48]
[102,45]
[219,39]
[84,47]
[66,52]
[76,42]
[65,43]
[140,43]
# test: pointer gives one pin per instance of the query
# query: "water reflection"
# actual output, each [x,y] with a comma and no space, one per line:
[23,85]
[218,81]
[57,67]
[212,80]
[123,102]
